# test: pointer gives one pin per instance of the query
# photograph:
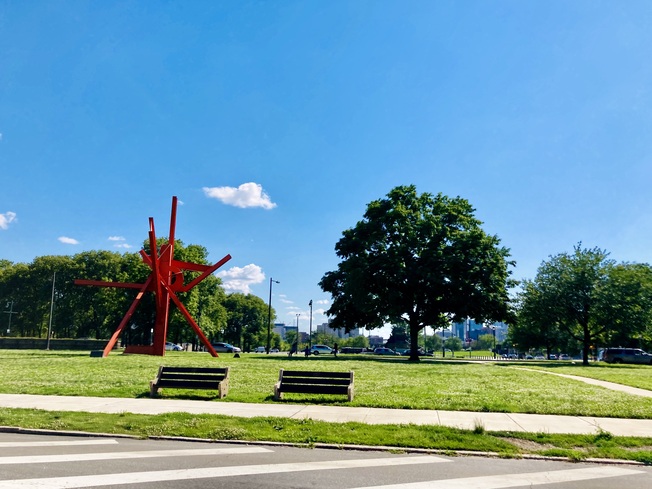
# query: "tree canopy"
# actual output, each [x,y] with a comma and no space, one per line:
[419,259]
[95,312]
[586,297]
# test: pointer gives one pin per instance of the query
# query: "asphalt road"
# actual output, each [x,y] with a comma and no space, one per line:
[54,461]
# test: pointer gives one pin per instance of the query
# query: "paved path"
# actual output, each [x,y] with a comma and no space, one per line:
[458,419]
[601,383]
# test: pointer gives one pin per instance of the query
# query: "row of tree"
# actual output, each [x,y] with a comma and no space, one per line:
[414,259]
[583,300]
[31,291]
[425,261]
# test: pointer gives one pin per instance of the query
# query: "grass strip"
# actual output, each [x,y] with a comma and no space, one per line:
[309,432]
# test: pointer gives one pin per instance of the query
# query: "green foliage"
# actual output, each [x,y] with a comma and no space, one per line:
[399,337]
[95,312]
[484,342]
[420,259]
[586,298]
[356,342]
[453,343]
[433,342]
[247,316]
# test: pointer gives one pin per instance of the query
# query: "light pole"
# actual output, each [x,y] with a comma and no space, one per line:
[494,331]
[310,331]
[54,278]
[11,312]
[269,314]
[298,314]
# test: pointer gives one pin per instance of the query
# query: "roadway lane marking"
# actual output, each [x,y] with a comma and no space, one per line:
[85,457]
[72,443]
[516,480]
[210,472]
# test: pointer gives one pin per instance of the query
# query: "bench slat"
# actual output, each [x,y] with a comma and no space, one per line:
[310,373]
[188,370]
[315,389]
[188,384]
[311,382]
[176,376]
[208,378]
[301,380]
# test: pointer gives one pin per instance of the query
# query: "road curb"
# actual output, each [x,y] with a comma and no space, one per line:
[326,446]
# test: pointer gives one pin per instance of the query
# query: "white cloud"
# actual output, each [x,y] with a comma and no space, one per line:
[246,195]
[66,240]
[116,238]
[323,301]
[122,245]
[238,279]
[6,219]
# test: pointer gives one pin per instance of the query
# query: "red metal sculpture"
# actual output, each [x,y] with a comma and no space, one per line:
[165,281]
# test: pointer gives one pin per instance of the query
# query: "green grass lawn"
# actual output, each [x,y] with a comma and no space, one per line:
[631,375]
[379,382]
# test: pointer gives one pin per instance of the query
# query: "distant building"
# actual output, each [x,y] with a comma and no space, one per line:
[467,330]
[471,330]
[338,332]
[282,329]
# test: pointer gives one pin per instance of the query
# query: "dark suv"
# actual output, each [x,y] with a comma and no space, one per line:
[626,355]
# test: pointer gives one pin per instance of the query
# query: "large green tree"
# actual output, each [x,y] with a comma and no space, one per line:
[246,319]
[586,297]
[420,259]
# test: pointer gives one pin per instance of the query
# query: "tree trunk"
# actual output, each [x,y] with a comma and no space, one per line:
[586,344]
[414,341]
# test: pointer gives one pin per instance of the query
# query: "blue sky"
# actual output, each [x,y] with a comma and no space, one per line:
[276,123]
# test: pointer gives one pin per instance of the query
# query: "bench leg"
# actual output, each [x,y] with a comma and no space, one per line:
[153,389]
[350,393]
[223,389]
[278,395]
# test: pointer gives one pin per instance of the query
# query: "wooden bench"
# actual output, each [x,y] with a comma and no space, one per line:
[191,378]
[309,382]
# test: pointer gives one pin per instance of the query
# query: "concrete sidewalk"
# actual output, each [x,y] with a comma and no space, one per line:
[457,419]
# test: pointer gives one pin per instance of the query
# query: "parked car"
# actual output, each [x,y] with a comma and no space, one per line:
[384,351]
[260,349]
[221,347]
[564,356]
[274,350]
[420,352]
[320,350]
[626,355]
[172,346]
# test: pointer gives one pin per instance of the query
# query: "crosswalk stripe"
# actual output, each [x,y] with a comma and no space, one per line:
[515,480]
[209,472]
[85,457]
[72,443]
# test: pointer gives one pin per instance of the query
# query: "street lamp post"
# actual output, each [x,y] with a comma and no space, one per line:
[298,314]
[54,278]
[269,314]
[310,331]
[494,331]
[11,312]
